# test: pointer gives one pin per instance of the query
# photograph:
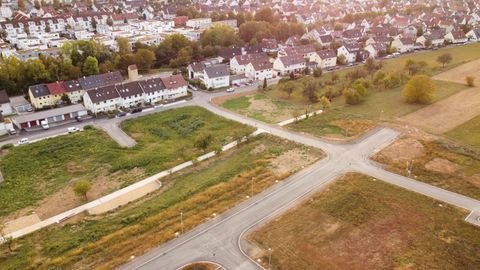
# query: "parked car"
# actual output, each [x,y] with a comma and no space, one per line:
[231,89]
[78,118]
[24,141]
[30,109]
[73,129]
[121,114]
[12,131]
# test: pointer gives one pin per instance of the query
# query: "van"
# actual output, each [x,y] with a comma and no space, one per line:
[24,141]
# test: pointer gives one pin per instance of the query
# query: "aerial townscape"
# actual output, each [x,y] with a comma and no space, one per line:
[239,134]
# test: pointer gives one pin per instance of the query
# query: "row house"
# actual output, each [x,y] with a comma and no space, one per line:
[376,50]
[304,50]
[325,58]
[132,94]
[199,23]
[259,69]
[240,62]
[404,44]
[284,65]
[349,51]
[456,37]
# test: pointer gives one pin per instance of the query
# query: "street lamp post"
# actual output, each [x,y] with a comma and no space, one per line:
[269,258]
[181,221]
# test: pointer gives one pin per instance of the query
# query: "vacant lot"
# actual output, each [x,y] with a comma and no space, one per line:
[359,223]
[106,241]
[41,175]
[438,163]
[467,133]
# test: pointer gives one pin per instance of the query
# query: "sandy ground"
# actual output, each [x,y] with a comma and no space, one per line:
[459,73]
[403,150]
[441,165]
[289,161]
[20,223]
[219,100]
[446,114]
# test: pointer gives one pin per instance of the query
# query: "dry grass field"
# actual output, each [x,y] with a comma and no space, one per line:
[362,223]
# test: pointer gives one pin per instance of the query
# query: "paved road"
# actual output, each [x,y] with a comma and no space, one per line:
[221,239]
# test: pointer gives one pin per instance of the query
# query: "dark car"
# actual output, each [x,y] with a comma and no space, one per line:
[79,119]
[121,114]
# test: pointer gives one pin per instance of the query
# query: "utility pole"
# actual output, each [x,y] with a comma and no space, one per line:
[251,187]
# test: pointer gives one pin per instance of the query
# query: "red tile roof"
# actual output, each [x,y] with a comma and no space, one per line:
[174,81]
[56,88]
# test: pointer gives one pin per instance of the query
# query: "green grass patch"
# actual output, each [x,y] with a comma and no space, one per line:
[468,133]
[33,172]
[235,104]
[109,240]
[387,226]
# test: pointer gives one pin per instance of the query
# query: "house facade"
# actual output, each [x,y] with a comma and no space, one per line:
[216,76]
[287,64]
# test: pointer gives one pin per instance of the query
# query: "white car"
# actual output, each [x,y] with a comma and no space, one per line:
[24,141]
[231,89]
[73,129]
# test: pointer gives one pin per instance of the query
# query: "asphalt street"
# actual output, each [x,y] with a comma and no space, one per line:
[221,239]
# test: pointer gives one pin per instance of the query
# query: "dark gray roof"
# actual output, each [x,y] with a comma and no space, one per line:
[129,89]
[39,90]
[152,85]
[292,60]
[4,97]
[102,94]
[217,71]
[90,82]
[326,54]
[112,77]
[72,85]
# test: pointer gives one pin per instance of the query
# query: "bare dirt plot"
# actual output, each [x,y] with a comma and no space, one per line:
[448,113]
[219,100]
[291,160]
[20,223]
[459,73]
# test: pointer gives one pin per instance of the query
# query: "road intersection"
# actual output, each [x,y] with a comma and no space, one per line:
[221,239]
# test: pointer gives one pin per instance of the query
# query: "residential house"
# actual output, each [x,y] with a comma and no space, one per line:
[376,50]
[56,90]
[154,90]
[5,105]
[102,99]
[284,65]
[324,58]
[239,62]
[349,51]
[216,76]
[195,70]
[474,34]
[74,91]
[176,86]
[199,23]
[131,94]
[456,37]
[404,44]
[259,69]
[40,96]
[304,50]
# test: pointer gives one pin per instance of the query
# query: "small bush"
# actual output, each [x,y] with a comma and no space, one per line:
[351,96]
[88,127]
[470,81]
[7,146]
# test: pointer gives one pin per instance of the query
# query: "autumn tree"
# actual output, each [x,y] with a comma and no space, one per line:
[123,45]
[21,4]
[444,59]
[419,89]
[310,91]
[219,35]
[470,81]
[413,67]
[288,88]
[81,188]
[90,66]
[144,59]
[325,102]
[351,96]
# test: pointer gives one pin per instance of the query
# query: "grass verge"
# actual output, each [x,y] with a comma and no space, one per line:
[467,133]
[386,226]
[107,241]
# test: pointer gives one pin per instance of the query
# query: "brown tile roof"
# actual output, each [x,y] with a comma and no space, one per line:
[56,88]
[174,81]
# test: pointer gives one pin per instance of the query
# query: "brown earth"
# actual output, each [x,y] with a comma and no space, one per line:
[219,100]
[403,150]
[442,166]
[289,161]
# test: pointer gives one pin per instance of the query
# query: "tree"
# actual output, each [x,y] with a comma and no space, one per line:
[56,4]
[144,59]
[219,35]
[183,58]
[371,65]
[419,89]
[203,141]
[310,90]
[470,81]
[413,67]
[35,71]
[444,59]
[288,88]
[66,99]
[81,188]
[325,102]
[341,60]
[123,45]
[351,96]
[265,14]
[90,66]
[37,4]
[428,43]
[21,4]
[110,21]
[265,84]
[255,30]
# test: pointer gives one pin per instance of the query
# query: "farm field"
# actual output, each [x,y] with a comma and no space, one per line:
[386,226]
[436,162]
[39,177]
[209,187]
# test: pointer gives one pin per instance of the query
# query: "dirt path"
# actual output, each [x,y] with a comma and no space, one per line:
[459,73]
[446,114]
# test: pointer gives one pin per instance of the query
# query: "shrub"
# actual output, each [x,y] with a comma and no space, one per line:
[7,146]
[317,73]
[470,81]
[351,96]
[419,89]
[88,127]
